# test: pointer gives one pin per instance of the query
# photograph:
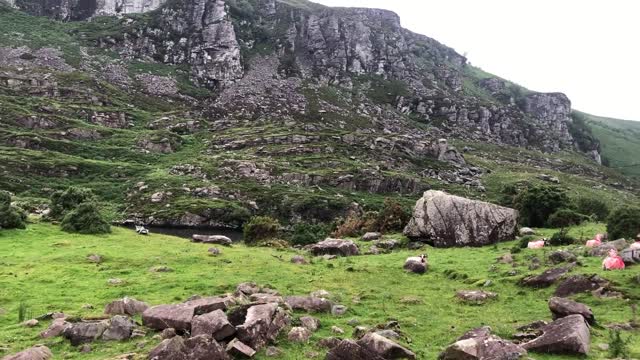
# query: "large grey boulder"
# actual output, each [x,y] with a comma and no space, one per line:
[179,316]
[85,332]
[630,256]
[309,303]
[199,347]
[446,220]
[384,347]
[580,283]
[213,324]
[350,350]
[561,307]
[545,279]
[39,352]
[126,306]
[480,344]
[338,247]
[212,239]
[604,248]
[262,324]
[567,335]
[120,328]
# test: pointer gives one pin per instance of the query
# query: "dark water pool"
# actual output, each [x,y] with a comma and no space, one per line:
[235,235]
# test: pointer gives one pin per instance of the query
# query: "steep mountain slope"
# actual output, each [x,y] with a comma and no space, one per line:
[204,112]
[620,142]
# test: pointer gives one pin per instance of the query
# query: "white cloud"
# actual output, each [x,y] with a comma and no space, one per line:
[587,49]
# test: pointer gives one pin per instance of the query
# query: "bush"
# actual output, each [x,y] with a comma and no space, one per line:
[524,241]
[10,216]
[349,227]
[305,233]
[392,217]
[564,218]
[624,222]
[537,202]
[260,228]
[85,219]
[592,207]
[561,238]
[64,201]
[618,347]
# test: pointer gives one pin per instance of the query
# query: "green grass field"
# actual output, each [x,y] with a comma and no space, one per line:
[47,270]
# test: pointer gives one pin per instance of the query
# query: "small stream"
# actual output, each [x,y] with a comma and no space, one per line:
[187,232]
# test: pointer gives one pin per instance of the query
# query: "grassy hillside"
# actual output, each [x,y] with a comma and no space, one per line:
[47,270]
[620,140]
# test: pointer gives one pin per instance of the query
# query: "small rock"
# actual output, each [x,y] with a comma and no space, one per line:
[115,281]
[86,348]
[603,346]
[39,352]
[214,251]
[94,258]
[168,333]
[370,236]
[506,258]
[31,323]
[273,351]
[475,296]
[527,231]
[212,239]
[163,268]
[299,259]
[359,331]
[299,334]
[353,322]
[310,323]
[321,293]
[329,342]
[237,348]
[336,330]
[338,310]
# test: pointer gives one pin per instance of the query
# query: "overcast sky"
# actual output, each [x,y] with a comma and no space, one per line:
[588,49]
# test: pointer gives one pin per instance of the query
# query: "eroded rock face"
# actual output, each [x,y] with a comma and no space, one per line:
[447,220]
[567,335]
[80,10]
[85,332]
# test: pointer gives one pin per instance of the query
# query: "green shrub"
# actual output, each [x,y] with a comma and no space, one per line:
[305,233]
[564,218]
[618,347]
[624,222]
[561,238]
[64,201]
[592,207]
[11,217]
[392,216]
[260,228]
[537,202]
[85,219]
[524,241]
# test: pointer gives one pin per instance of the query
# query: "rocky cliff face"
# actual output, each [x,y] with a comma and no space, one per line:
[83,9]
